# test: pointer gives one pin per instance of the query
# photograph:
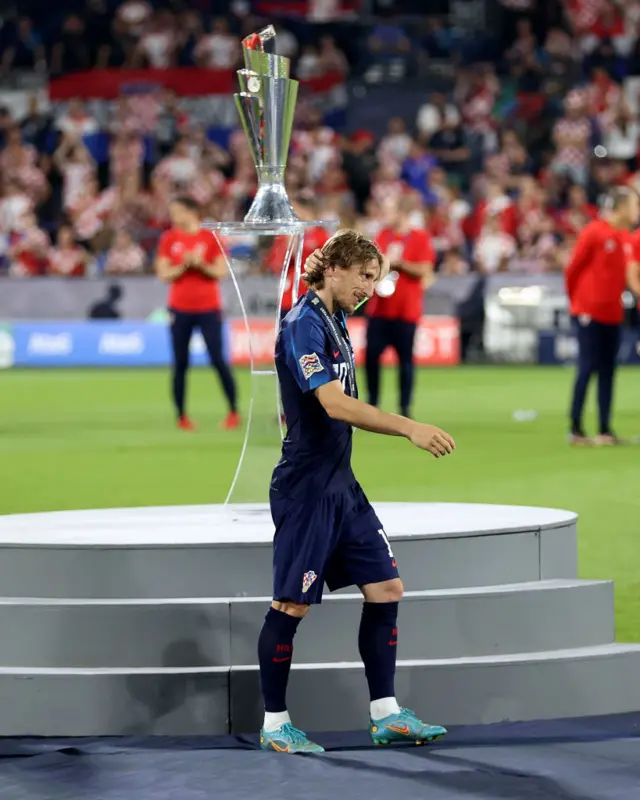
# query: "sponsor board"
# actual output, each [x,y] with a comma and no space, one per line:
[561,347]
[437,341]
[7,347]
[122,344]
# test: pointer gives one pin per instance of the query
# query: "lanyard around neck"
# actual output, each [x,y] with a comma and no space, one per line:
[339,335]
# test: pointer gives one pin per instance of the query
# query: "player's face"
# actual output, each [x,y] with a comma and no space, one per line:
[351,286]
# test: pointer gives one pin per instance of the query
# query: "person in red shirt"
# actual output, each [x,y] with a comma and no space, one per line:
[191,261]
[596,276]
[396,308]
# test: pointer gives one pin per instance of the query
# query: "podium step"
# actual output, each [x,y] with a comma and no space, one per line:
[445,623]
[543,685]
[210,700]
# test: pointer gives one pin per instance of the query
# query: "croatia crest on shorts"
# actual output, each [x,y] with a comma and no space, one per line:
[310,364]
[307,579]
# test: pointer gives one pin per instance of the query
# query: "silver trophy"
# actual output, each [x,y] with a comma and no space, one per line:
[266,104]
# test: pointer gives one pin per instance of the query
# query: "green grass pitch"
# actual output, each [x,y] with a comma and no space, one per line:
[85,439]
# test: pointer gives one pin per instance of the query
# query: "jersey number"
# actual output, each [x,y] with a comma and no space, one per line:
[386,541]
[341,374]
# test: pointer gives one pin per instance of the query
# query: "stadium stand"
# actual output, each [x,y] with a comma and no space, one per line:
[505,140]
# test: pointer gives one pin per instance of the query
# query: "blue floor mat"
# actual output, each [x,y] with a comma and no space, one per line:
[587,759]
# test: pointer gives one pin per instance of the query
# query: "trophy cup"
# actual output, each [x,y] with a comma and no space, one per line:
[266,105]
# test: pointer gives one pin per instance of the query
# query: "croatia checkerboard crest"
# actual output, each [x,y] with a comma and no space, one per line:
[307,579]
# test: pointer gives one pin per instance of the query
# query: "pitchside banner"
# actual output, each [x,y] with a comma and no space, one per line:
[561,347]
[146,344]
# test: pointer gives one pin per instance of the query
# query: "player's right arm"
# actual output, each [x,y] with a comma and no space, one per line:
[580,258]
[163,266]
[340,406]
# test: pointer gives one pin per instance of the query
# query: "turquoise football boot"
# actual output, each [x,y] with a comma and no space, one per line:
[404,727]
[288,740]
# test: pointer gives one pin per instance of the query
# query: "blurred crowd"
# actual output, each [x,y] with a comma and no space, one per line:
[503,167]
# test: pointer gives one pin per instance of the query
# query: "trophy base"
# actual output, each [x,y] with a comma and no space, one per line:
[271,205]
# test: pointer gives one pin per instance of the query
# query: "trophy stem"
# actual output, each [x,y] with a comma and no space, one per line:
[271,203]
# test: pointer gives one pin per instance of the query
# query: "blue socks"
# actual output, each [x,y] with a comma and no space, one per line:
[275,651]
[377,642]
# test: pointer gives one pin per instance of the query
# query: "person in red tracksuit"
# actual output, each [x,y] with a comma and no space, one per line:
[393,319]
[601,266]
[191,261]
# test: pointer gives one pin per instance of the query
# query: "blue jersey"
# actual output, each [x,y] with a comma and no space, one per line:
[316,453]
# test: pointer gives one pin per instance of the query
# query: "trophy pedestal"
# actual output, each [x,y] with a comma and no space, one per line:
[264,427]
[271,200]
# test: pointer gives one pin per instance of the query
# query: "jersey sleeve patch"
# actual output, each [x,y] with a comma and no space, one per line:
[310,364]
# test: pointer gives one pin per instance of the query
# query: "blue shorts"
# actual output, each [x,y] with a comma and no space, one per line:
[337,540]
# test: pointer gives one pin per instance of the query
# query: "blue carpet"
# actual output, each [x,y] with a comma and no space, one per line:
[586,759]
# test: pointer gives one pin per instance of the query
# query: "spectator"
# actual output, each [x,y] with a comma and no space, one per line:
[70,53]
[388,39]
[28,249]
[76,121]
[331,59]
[24,50]
[125,257]
[309,65]
[578,213]
[494,248]
[286,42]
[15,205]
[571,137]
[395,145]
[77,167]
[132,16]
[434,114]
[67,259]
[416,171]
[218,49]
[35,125]
[180,167]
[92,214]
[126,154]
[449,146]
[158,45]
[621,134]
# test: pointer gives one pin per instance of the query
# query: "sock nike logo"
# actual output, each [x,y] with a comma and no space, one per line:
[277,660]
[393,641]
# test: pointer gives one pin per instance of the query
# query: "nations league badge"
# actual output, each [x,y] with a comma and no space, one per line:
[7,347]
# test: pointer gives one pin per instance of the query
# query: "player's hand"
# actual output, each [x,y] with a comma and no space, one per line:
[432,439]
[314,262]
